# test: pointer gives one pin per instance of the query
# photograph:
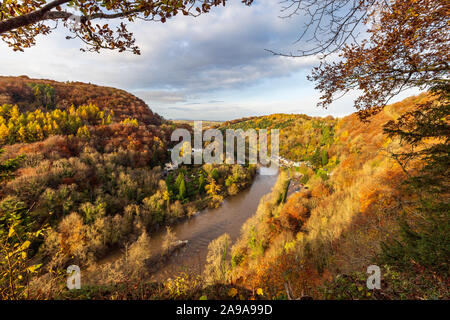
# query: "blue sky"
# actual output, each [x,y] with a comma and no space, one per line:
[213,67]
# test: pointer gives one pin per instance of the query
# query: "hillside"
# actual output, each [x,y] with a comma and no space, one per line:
[356,209]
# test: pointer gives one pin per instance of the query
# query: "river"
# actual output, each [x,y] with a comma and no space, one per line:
[212,223]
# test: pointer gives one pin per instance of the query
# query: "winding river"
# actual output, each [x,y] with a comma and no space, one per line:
[212,223]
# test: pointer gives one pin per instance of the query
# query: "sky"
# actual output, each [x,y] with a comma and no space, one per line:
[213,67]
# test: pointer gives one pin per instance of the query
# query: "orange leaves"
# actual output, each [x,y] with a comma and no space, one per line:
[368,198]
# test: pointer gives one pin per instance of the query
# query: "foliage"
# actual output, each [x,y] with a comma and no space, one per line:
[213,189]
[21,23]
[394,286]
[35,126]
[19,91]
[44,95]
[16,239]
[169,241]
[7,167]
[302,138]
[370,207]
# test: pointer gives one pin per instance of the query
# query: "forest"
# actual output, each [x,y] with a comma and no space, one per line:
[80,182]
[375,205]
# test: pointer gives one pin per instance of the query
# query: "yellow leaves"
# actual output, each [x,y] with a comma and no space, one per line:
[259,291]
[166,195]
[232,292]
[387,143]
[4,132]
[83,132]
[183,284]
[288,246]
[130,122]
[36,125]
[344,135]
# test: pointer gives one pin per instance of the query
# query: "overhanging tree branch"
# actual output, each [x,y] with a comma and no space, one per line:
[22,21]
[29,18]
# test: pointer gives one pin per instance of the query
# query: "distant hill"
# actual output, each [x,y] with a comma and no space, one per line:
[22,91]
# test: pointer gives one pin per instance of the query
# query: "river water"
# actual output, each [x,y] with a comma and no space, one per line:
[212,223]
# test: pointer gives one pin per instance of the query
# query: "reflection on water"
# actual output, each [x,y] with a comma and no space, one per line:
[212,223]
